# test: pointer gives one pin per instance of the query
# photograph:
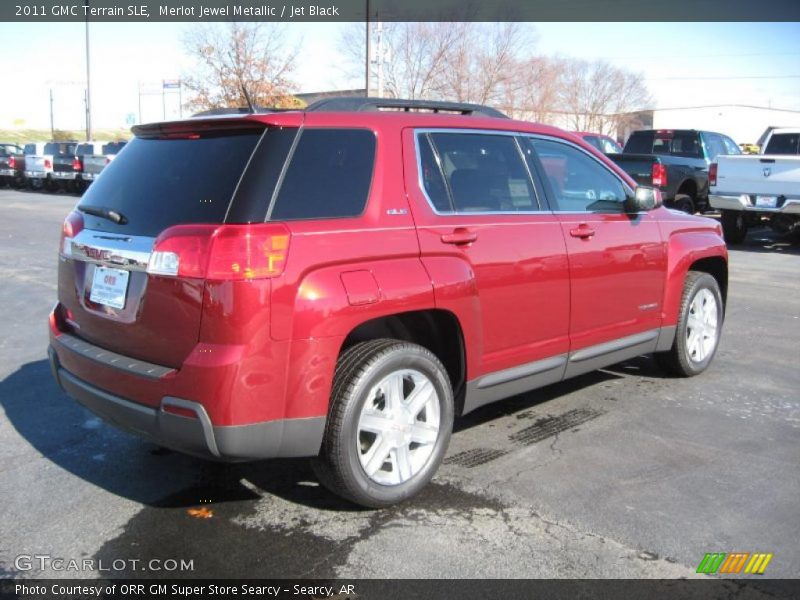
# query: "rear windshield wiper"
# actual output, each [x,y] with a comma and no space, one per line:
[105,213]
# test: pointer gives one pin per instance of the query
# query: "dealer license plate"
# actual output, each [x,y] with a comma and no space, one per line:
[767,201]
[109,287]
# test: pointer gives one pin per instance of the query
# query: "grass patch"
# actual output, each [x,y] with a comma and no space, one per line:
[22,136]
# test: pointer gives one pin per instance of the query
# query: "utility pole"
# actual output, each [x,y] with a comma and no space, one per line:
[367,66]
[88,82]
[52,122]
[379,57]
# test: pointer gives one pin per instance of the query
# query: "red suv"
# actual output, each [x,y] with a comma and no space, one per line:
[341,282]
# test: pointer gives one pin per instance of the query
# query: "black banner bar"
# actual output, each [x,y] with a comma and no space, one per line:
[146,11]
[378,589]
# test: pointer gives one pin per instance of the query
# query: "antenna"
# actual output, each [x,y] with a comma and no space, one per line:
[247,99]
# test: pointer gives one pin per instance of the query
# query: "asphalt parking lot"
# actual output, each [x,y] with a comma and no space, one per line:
[619,473]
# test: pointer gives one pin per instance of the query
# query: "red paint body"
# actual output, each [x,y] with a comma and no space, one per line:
[525,289]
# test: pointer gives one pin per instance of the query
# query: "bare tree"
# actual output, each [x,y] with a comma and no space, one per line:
[239,61]
[597,95]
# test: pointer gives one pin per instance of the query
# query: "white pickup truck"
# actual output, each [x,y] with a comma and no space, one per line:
[750,190]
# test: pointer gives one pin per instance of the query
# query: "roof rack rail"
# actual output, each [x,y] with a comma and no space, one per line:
[362,104]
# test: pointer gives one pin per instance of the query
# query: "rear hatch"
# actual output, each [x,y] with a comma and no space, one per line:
[162,180]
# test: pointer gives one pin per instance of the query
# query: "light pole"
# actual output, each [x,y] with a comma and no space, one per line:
[88,81]
[366,73]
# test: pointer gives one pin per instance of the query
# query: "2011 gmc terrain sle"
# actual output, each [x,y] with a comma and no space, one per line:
[341,282]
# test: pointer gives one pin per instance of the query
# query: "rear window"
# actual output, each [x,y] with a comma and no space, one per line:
[673,143]
[30,148]
[84,150]
[783,143]
[158,183]
[60,149]
[328,177]
[113,147]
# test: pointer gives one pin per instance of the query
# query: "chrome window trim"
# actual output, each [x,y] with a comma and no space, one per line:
[418,132]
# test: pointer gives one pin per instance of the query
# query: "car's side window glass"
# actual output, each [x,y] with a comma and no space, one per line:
[714,145]
[730,146]
[329,175]
[579,183]
[431,176]
[484,172]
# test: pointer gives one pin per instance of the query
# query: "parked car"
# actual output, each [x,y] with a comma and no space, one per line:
[340,282]
[68,164]
[38,165]
[676,162]
[764,189]
[94,164]
[602,142]
[12,164]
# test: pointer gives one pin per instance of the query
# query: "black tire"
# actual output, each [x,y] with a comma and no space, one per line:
[361,367]
[684,203]
[734,226]
[678,360]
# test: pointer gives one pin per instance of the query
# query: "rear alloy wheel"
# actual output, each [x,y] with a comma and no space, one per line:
[389,424]
[699,326]
[734,226]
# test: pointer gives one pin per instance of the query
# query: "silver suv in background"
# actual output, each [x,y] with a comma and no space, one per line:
[94,164]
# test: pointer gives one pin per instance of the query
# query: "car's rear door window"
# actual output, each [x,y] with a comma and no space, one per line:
[158,182]
[328,176]
[485,173]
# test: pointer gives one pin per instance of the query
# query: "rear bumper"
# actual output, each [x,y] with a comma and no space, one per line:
[196,434]
[65,175]
[743,202]
[36,174]
[8,173]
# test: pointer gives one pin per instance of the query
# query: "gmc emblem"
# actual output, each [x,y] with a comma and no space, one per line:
[97,253]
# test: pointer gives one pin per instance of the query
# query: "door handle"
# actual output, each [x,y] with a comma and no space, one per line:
[459,237]
[583,231]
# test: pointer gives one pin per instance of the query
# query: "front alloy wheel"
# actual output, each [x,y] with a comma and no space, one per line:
[699,326]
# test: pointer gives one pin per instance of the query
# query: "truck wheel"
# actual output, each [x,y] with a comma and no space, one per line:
[699,326]
[684,203]
[734,226]
[389,423]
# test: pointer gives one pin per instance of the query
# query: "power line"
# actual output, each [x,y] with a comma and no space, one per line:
[723,78]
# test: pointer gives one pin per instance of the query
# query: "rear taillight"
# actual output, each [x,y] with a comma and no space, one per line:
[77,165]
[712,174]
[12,162]
[48,164]
[72,226]
[659,175]
[224,252]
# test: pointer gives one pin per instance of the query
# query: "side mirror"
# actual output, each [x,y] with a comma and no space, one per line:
[644,199]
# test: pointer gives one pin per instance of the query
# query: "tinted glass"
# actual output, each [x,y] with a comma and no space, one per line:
[783,143]
[60,148]
[30,148]
[640,142]
[714,145]
[112,148]
[593,140]
[157,183]
[84,150]
[432,178]
[730,146]
[674,143]
[485,172]
[578,181]
[329,175]
[609,146]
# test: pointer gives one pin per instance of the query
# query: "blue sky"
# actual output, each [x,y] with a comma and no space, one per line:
[685,64]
